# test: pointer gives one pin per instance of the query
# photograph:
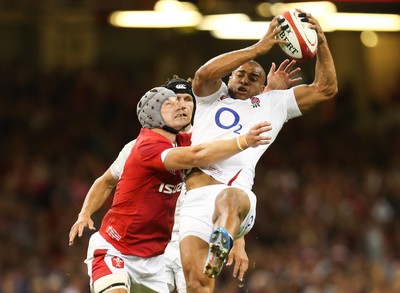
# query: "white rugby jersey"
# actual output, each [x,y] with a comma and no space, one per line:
[117,166]
[219,116]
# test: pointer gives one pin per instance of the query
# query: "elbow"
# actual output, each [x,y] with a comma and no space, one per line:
[330,86]
[331,91]
[328,90]
[204,71]
[201,73]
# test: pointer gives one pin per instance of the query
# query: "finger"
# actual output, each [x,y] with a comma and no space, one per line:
[263,129]
[264,141]
[236,269]
[230,259]
[260,125]
[275,21]
[283,65]
[264,123]
[264,137]
[290,66]
[80,230]
[258,134]
[241,275]
[272,69]
[273,28]
[294,71]
[91,225]
[72,235]
[295,80]
[243,269]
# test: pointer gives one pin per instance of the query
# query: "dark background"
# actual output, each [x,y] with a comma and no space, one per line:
[328,188]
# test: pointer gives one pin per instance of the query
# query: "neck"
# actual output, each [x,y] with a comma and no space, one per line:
[170,136]
[187,128]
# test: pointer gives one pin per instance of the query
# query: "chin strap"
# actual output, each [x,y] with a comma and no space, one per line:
[170,129]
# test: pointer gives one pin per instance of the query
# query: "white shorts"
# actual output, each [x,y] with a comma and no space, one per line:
[198,208]
[109,268]
[174,270]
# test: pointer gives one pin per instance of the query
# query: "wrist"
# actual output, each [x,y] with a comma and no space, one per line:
[242,142]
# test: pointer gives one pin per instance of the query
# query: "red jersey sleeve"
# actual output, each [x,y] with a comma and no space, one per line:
[149,151]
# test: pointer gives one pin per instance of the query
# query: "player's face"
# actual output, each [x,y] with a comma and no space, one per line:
[246,81]
[177,111]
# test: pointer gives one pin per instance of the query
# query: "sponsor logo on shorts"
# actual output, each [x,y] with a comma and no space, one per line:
[250,222]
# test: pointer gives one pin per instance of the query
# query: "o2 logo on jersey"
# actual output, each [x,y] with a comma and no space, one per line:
[227,118]
[170,188]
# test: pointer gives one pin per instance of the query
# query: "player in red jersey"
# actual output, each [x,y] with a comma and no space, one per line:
[126,255]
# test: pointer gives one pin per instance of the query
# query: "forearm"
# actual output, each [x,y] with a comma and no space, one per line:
[212,152]
[207,153]
[325,72]
[204,154]
[208,78]
[97,195]
[222,65]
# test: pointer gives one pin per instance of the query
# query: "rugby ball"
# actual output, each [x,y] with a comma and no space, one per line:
[302,41]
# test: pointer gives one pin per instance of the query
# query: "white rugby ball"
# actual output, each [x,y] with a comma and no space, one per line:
[302,41]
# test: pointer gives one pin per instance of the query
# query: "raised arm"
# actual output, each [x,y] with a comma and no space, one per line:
[208,153]
[324,86]
[208,77]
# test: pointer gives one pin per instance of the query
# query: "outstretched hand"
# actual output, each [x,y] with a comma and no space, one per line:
[314,24]
[283,77]
[255,136]
[79,226]
[270,38]
[238,256]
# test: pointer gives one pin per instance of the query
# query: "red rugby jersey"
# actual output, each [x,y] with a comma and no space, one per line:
[141,217]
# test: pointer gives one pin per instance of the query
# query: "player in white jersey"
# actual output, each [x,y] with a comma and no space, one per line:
[220,206]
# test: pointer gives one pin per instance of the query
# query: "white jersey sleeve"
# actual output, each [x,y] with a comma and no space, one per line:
[117,167]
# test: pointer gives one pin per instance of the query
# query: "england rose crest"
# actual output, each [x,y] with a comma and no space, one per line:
[255,102]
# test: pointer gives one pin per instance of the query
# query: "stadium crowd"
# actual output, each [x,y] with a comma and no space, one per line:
[329,193]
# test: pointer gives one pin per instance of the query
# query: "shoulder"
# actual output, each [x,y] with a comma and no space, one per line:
[149,141]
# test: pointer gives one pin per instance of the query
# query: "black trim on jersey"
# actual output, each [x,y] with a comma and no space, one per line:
[113,285]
